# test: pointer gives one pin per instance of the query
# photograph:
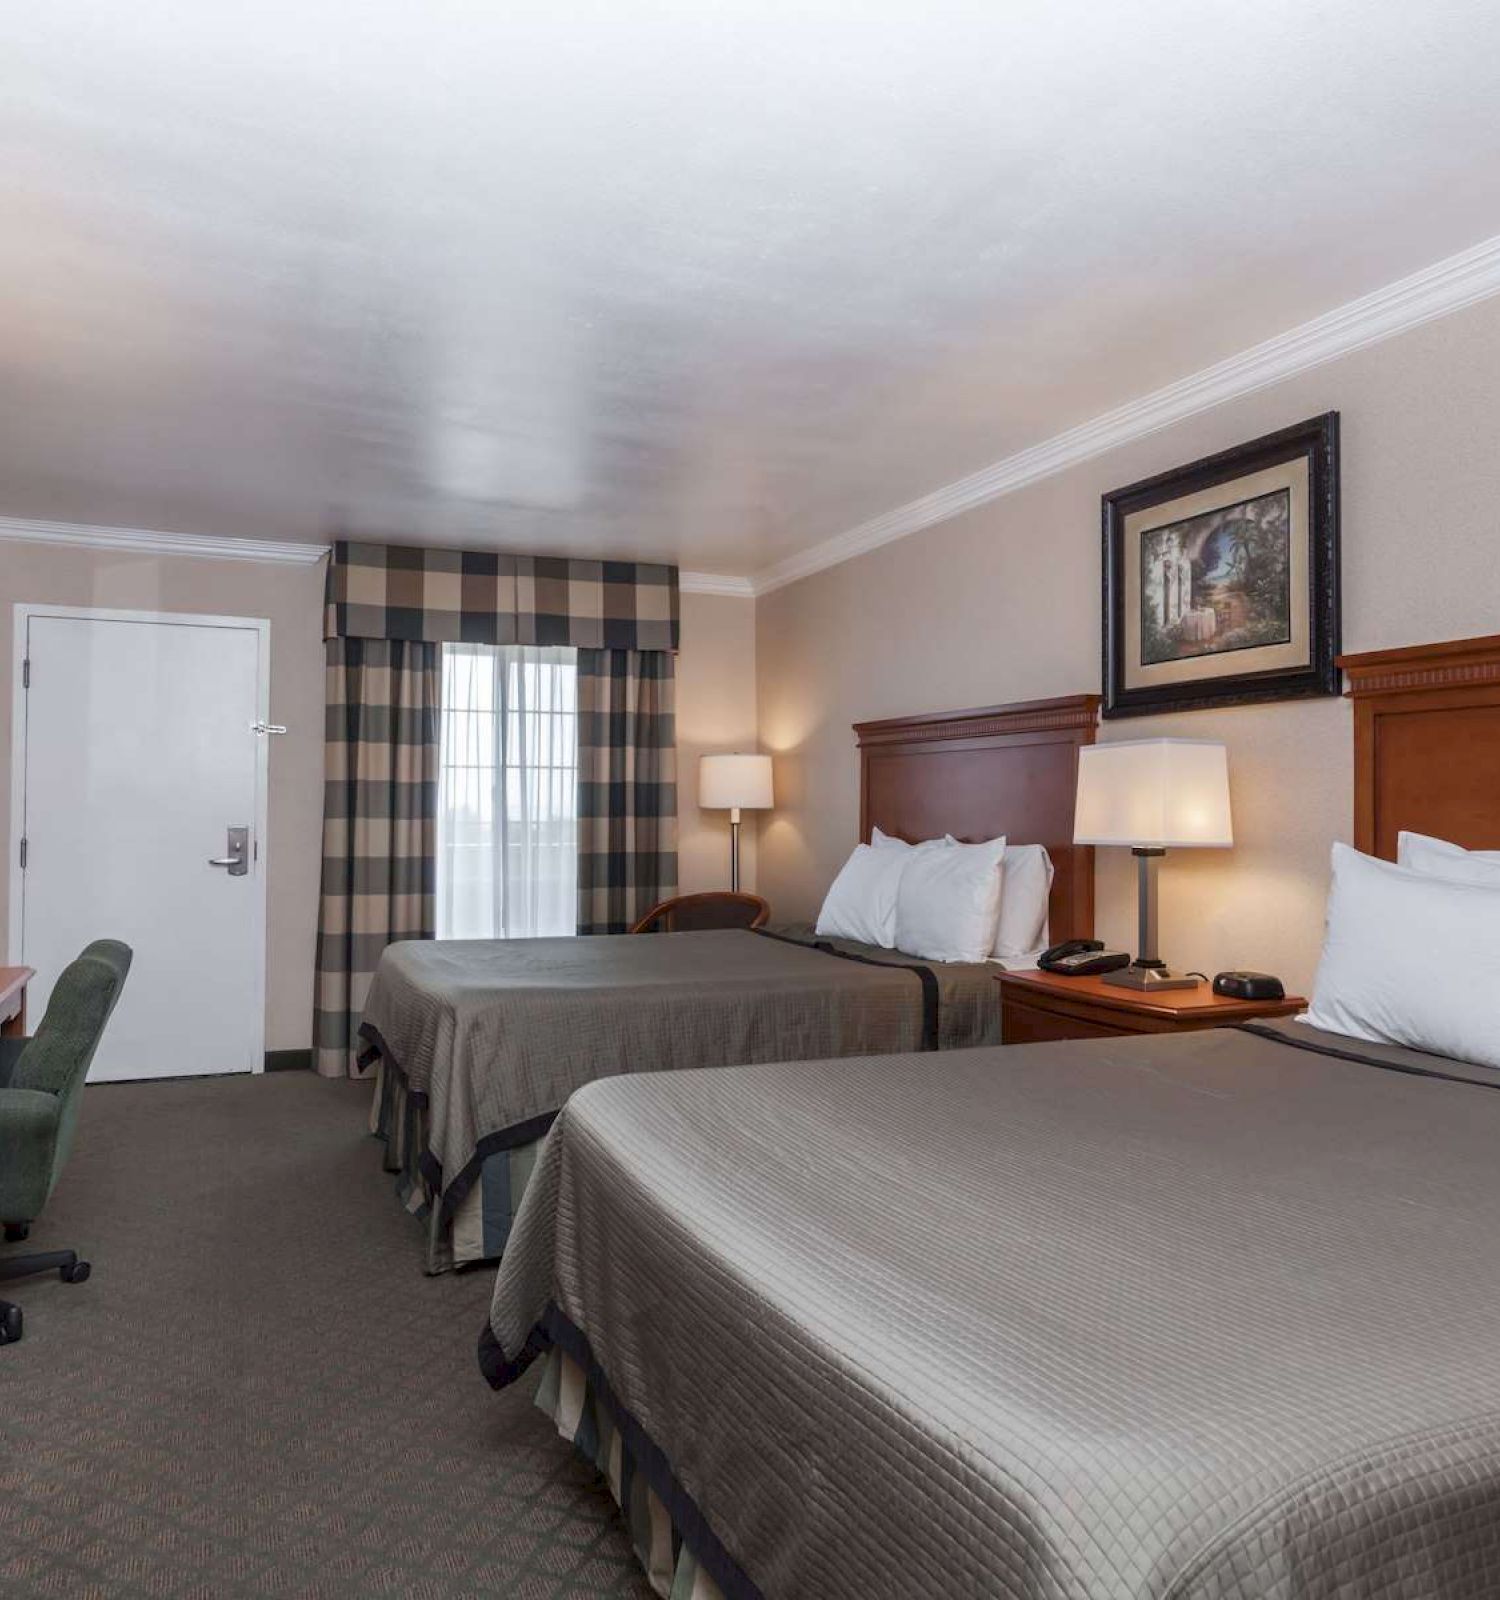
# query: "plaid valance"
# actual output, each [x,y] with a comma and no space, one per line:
[392,591]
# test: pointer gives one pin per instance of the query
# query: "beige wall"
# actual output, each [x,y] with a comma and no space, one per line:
[1003,604]
[716,710]
[292,598]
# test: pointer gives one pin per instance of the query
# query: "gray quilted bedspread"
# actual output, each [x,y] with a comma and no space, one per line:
[498,1033]
[1196,1317]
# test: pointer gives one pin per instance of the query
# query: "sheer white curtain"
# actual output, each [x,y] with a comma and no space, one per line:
[507,855]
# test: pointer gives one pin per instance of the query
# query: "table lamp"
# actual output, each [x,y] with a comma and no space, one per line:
[734,783]
[1153,795]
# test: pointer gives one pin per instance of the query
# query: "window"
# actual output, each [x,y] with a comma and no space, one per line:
[507,861]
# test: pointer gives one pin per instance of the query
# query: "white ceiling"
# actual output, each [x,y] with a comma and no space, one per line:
[700,281]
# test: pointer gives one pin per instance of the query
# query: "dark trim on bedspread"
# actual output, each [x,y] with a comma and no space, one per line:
[931,993]
[1408,1069]
[450,1198]
[557,1329]
[510,1138]
[378,1047]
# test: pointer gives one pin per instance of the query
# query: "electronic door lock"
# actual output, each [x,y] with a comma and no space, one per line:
[237,862]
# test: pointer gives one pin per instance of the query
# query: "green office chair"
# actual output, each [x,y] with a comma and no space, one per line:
[41,1085]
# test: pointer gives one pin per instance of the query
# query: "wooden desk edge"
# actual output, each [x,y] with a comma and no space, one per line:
[13,981]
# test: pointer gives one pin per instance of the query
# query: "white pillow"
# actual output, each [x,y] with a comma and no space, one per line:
[861,903]
[1025,889]
[948,903]
[1409,959]
[1436,858]
[884,841]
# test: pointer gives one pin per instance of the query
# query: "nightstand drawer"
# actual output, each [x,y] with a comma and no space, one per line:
[1021,1024]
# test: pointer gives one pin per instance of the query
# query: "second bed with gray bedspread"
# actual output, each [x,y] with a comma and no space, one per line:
[488,1038]
[1205,1317]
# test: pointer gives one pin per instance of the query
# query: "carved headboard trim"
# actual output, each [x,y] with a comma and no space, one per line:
[1427,743]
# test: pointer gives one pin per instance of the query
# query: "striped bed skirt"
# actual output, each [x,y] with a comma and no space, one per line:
[570,1400]
[471,1219]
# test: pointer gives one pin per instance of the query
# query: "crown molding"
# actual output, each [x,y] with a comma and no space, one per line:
[716,583]
[1435,291]
[149,541]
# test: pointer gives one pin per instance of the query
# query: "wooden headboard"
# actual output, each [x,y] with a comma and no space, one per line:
[977,774]
[1427,743]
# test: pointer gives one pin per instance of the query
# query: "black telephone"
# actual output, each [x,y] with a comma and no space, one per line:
[1081,958]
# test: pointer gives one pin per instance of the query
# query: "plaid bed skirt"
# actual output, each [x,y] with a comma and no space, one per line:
[462,1228]
[569,1399]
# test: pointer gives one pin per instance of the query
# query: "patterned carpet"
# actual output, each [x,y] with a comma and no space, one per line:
[257,1392]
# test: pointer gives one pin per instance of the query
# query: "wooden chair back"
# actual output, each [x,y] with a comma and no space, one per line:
[692,913]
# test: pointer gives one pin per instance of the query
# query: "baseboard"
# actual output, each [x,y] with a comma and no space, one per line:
[289,1060]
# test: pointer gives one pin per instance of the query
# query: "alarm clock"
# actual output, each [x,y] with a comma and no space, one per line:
[1249,986]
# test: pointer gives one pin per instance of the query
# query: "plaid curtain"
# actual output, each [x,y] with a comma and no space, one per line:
[392,591]
[627,786]
[379,826]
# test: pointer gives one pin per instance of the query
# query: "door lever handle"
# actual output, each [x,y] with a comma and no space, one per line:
[236,863]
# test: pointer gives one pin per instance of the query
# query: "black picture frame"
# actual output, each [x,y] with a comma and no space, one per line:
[1317,440]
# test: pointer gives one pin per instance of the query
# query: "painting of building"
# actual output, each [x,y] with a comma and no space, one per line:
[1217,581]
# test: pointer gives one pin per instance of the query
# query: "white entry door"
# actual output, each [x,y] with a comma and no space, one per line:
[137,753]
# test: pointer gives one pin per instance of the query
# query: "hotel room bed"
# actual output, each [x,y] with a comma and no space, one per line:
[1174,1317]
[1195,1317]
[478,1043]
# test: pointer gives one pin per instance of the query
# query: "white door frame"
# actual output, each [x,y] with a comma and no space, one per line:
[22,614]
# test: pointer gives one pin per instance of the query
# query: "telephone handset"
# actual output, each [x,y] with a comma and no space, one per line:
[1081,958]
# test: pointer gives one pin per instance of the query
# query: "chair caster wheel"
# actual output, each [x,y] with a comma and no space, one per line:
[10,1323]
[77,1273]
[16,1231]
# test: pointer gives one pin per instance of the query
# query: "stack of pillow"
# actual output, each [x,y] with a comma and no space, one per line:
[1411,955]
[941,900]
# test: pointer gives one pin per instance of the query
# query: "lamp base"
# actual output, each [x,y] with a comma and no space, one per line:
[1153,977]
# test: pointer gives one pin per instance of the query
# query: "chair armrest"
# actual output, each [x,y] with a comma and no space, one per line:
[29,1125]
[10,1053]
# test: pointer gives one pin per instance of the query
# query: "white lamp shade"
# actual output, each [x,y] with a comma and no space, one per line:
[1156,792]
[725,782]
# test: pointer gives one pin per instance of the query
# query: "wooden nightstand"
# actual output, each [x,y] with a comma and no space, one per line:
[1040,1005]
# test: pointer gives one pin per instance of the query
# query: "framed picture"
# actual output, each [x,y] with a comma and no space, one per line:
[1221,580]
